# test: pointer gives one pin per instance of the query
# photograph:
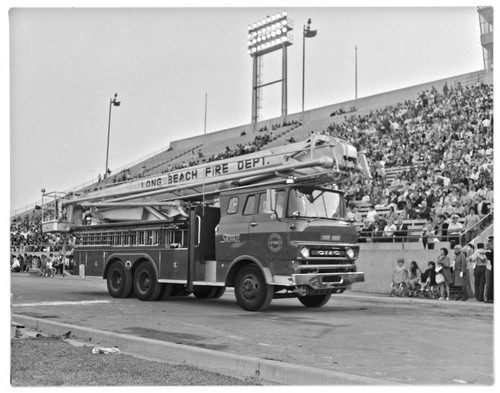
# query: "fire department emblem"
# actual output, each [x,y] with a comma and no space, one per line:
[274,242]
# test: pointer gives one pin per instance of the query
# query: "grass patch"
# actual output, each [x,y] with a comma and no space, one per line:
[50,361]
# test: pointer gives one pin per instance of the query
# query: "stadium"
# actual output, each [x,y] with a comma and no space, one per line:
[429,148]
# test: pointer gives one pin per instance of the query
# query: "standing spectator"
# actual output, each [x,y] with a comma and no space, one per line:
[441,228]
[454,230]
[49,269]
[401,230]
[428,234]
[480,260]
[488,287]
[372,215]
[460,273]
[470,225]
[443,263]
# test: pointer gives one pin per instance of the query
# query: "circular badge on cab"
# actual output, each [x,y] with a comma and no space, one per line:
[275,243]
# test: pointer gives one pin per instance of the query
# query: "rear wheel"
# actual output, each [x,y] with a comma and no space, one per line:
[219,292]
[179,290]
[166,291]
[146,285]
[315,301]
[119,280]
[251,290]
[204,292]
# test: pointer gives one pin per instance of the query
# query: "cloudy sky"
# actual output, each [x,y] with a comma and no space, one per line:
[66,64]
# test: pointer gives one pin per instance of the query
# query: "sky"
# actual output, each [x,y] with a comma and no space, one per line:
[65,64]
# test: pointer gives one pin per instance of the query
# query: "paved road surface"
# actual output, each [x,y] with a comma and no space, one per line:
[404,340]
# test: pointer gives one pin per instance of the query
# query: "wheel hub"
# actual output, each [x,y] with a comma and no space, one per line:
[249,288]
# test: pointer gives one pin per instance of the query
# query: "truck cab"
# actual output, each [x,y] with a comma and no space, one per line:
[294,239]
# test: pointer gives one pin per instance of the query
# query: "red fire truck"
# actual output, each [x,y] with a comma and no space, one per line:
[270,224]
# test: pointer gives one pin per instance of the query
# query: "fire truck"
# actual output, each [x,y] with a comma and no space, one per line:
[271,224]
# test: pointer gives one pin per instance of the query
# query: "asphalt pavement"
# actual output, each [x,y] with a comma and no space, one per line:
[354,339]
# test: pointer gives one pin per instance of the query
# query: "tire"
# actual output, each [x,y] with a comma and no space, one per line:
[119,280]
[179,290]
[146,285]
[315,301]
[251,290]
[204,292]
[166,291]
[219,292]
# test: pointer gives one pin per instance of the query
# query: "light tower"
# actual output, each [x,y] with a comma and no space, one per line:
[265,36]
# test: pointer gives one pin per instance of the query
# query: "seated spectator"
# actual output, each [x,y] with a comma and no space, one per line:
[354,215]
[16,265]
[414,274]
[399,276]
[428,278]
[389,230]
[372,214]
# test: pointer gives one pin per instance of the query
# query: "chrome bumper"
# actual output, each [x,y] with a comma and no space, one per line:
[327,280]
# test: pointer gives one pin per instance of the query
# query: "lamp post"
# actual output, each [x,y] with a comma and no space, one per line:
[306,33]
[112,102]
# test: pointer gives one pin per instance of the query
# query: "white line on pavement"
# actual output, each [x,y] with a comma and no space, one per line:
[69,303]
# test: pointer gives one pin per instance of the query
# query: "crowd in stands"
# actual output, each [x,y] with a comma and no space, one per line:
[445,142]
[342,111]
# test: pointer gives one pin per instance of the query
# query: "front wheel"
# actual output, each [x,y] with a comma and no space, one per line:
[315,301]
[119,280]
[146,285]
[251,290]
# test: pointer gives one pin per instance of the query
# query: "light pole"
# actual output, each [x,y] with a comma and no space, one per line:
[306,33]
[112,102]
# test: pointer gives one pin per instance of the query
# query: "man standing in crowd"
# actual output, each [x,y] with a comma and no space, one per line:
[480,271]
[488,287]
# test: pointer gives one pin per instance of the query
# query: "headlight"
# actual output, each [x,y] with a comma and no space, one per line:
[350,253]
[304,251]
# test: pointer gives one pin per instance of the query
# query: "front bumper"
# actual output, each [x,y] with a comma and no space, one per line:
[327,280]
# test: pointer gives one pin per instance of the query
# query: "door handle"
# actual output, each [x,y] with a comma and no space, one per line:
[254,224]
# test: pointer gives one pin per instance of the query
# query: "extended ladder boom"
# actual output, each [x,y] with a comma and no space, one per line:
[320,160]
[324,158]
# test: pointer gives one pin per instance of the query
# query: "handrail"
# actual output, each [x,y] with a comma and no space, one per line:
[476,226]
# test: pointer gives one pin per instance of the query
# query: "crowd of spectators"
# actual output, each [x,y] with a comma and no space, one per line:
[26,235]
[445,143]
[342,111]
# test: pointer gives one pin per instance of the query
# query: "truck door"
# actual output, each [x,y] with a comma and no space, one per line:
[269,232]
[203,221]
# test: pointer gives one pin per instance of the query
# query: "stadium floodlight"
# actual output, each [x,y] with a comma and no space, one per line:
[265,36]
[262,36]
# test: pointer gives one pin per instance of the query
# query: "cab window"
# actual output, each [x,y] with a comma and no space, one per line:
[249,205]
[279,208]
[232,206]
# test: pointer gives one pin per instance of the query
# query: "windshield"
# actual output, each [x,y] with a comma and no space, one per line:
[314,203]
